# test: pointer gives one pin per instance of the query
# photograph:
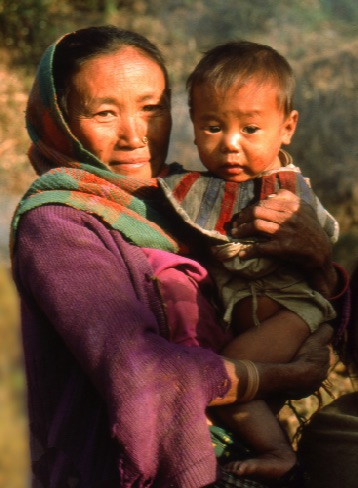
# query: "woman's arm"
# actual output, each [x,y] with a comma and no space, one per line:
[297,379]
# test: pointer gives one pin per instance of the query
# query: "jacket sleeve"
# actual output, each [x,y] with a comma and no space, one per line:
[96,292]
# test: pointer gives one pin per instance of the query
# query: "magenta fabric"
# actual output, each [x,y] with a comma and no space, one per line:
[111,401]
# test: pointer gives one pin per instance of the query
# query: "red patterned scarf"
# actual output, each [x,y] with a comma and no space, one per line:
[71,175]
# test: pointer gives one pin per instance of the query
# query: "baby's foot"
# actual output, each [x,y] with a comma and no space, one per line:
[270,465]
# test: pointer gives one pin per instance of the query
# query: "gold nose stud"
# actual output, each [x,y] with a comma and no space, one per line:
[145,140]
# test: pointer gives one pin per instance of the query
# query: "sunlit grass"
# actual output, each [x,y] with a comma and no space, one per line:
[14,454]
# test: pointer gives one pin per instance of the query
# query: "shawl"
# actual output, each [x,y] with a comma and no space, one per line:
[70,175]
[126,204]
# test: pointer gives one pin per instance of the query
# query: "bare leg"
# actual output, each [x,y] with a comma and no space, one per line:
[276,340]
[257,424]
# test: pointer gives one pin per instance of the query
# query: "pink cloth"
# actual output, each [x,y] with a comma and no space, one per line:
[190,323]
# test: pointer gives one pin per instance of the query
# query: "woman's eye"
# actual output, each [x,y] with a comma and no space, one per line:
[250,129]
[105,114]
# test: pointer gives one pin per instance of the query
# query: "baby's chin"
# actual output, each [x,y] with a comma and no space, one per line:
[240,178]
[233,173]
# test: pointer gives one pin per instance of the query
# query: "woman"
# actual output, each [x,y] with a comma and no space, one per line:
[112,402]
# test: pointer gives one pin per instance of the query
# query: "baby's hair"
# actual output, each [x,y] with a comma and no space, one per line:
[237,63]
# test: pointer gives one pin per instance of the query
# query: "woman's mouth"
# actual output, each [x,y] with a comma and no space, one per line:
[129,164]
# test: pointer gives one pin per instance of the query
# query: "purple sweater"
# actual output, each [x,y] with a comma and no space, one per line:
[112,403]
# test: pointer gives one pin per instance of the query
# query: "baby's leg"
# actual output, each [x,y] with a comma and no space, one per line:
[256,423]
[275,340]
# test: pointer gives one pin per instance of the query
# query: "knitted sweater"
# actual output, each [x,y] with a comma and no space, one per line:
[111,401]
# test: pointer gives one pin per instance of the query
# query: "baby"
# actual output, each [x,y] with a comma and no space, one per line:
[240,99]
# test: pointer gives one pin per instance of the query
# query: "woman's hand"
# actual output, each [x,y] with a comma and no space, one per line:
[311,363]
[294,234]
[304,374]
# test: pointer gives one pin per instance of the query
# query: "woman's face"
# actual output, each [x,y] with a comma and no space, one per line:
[119,109]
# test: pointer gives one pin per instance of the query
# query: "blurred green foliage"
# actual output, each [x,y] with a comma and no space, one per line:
[346,10]
[24,24]
[319,37]
[27,26]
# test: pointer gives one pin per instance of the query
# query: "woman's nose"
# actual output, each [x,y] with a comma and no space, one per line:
[130,133]
[231,142]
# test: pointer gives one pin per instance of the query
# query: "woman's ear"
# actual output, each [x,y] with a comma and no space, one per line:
[289,127]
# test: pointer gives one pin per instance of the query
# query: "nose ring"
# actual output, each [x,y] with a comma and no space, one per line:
[145,140]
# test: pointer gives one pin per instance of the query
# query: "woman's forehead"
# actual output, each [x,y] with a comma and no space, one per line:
[127,60]
[126,75]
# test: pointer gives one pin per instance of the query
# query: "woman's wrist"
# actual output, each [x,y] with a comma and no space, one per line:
[264,379]
[276,379]
[238,381]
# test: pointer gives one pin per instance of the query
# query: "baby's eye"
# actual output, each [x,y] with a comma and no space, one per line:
[154,108]
[213,129]
[250,129]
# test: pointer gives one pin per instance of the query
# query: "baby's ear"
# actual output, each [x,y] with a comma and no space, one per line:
[289,128]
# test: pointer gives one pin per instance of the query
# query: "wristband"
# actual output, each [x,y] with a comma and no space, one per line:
[253,381]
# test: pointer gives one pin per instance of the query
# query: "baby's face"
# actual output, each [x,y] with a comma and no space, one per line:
[239,133]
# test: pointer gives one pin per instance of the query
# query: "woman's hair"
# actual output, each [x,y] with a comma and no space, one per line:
[74,49]
[239,62]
